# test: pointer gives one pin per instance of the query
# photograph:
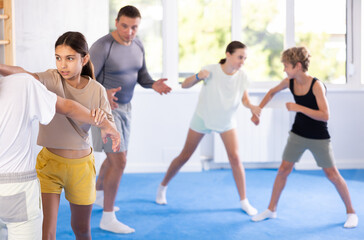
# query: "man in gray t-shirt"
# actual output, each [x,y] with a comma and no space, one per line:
[119,62]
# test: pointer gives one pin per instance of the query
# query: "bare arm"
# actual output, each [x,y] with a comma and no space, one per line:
[322,114]
[74,110]
[246,102]
[6,70]
[269,95]
[111,97]
[192,80]
[78,112]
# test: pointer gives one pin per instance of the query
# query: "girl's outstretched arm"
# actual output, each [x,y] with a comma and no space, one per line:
[6,70]
[192,80]
[253,108]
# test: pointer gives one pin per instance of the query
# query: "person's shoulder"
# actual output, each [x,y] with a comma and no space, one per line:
[286,82]
[319,85]
[107,37]
[103,41]
[21,80]
[317,81]
[243,78]
[24,81]
[138,42]
[50,77]
[242,72]
[18,77]
[211,67]
[96,85]
[49,73]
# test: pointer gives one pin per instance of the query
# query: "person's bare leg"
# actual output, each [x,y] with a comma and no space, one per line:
[114,170]
[81,221]
[335,177]
[230,140]
[100,178]
[100,185]
[192,141]
[50,203]
[280,182]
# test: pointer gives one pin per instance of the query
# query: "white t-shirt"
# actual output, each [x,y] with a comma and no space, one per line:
[22,100]
[220,97]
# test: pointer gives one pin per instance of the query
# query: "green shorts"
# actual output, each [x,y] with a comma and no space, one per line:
[198,125]
[320,148]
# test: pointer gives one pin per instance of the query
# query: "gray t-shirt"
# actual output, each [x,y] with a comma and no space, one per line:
[119,65]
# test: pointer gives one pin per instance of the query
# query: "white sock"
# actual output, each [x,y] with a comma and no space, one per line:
[249,209]
[351,220]
[100,200]
[161,195]
[267,214]
[110,223]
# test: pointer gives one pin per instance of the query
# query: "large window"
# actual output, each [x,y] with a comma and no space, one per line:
[263,29]
[324,33]
[362,42]
[150,30]
[197,32]
[204,29]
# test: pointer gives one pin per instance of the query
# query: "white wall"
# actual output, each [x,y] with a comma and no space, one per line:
[160,123]
[263,147]
[346,126]
[38,24]
[159,129]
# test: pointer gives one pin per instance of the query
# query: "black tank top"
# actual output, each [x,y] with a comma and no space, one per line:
[303,125]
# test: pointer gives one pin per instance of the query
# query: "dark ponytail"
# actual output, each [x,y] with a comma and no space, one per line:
[231,49]
[77,42]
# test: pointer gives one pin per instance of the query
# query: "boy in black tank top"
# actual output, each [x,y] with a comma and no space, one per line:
[309,130]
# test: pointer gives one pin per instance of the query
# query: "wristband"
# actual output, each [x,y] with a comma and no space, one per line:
[198,79]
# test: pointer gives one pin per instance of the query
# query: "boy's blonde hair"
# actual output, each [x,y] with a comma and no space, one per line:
[296,55]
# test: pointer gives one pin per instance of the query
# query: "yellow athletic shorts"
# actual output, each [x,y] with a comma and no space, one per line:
[76,176]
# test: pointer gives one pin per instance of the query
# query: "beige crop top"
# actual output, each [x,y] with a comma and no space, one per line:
[60,133]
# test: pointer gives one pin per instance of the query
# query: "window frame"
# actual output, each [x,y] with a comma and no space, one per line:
[353,41]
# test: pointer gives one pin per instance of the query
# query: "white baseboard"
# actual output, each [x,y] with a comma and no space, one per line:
[247,165]
[310,164]
[304,164]
[160,167]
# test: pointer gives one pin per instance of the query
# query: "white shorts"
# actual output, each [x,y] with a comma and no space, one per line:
[198,125]
[21,205]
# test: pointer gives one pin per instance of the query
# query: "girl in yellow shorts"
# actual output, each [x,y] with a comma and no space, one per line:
[66,160]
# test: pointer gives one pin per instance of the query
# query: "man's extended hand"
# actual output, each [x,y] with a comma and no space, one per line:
[160,87]
[111,96]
